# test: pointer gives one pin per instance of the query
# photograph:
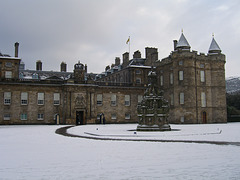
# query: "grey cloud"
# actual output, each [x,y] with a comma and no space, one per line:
[95,32]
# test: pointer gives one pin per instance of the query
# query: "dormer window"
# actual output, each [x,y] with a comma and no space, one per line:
[8,64]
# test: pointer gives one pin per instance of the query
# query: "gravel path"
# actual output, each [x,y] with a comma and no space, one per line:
[63,131]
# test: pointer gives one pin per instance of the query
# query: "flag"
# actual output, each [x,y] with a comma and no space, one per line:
[128,40]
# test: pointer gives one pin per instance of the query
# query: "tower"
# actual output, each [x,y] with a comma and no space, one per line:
[79,73]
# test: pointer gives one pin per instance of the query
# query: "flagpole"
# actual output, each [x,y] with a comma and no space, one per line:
[129,46]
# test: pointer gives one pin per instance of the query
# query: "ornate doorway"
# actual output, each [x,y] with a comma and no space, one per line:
[80,117]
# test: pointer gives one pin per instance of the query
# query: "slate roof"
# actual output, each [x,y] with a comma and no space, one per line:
[183,43]
[214,48]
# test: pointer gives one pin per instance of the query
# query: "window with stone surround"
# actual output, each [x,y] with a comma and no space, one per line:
[140,98]
[7,98]
[180,75]
[6,117]
[202,76]
[203,99]
[113,116]
[40,98]
[171,78]
[138,71]
[181,98]
[23,116]
[24,98]
[40,116]
[127,116]
[138,80]
[127,100]
[113,100]
[8,74]
[56,98]
[99,99]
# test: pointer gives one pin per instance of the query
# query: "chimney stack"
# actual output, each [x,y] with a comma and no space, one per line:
[117,61]
[16,49]
[125,59]
[63,67]
[39,65]
[175,44]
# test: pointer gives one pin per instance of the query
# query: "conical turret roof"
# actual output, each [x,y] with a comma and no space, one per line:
[214,48]
[183,43]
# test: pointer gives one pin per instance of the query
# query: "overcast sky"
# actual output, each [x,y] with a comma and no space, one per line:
[96,31]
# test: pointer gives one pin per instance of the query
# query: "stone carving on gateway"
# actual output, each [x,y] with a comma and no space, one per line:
[80,101]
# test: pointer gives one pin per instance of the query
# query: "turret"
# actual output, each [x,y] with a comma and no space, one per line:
[214,48]
[183,43]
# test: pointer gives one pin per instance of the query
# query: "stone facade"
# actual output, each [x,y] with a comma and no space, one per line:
[193,84]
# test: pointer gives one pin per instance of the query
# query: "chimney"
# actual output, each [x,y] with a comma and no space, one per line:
[175,44]
[125,59]
[137,54]
[63,67]
[39,65]
[16,49]
[117,61]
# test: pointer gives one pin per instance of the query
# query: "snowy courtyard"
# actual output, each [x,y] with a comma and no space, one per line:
[119,152]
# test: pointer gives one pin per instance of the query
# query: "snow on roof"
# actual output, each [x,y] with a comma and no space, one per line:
[183,42]
[214,46]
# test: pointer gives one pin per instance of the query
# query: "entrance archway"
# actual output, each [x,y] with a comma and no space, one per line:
[204,117]
[80,117]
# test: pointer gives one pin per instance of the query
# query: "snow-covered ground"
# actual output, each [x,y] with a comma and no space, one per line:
[36,152]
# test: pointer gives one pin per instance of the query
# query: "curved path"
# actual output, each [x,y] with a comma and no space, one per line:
[63,131]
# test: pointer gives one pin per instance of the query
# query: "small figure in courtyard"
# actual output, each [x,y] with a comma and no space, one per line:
[100,121]
[104,119]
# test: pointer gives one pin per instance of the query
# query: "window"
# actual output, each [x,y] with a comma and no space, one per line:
[182,119]
[40,116]
[114,116]
[181,98]
[6,117]
[161,80]
[171,100]
[203,99]
[8,74]
[138,80]
[202,65]
[127,100]
[56,98]
[140,98]
[171,78]
[127,116]
[7,98]
[114,100]
[180,75]
[202,74]
[35,76]
[8,64]
[180,63]
[99,99]
[138,71]
[24,116]
[40,98]
[24,98]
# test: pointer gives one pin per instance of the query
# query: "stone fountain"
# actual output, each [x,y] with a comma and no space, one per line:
[153,110]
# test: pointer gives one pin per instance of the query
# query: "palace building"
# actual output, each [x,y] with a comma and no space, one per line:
[193,85]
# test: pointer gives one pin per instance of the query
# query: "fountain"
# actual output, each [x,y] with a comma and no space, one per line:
[153,110]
